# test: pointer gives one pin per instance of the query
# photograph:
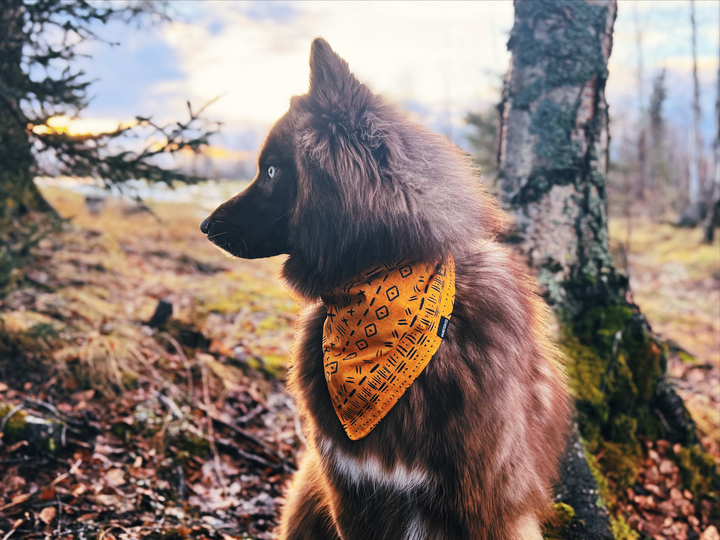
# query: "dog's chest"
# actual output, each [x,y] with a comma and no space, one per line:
[369,471]
[377,490]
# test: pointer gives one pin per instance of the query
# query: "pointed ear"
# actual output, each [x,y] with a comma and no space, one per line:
[330,76]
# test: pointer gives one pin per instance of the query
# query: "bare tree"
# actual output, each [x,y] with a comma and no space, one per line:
[712,220]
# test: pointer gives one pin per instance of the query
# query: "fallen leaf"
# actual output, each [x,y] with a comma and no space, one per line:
[47,514]
[87,395]
[3,387]
[115,477]
[711,533]
[48,494]
[667,467]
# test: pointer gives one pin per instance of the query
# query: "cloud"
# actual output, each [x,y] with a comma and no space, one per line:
[445,55]
[435,60]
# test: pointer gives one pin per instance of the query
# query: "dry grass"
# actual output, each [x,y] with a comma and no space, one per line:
[93,284]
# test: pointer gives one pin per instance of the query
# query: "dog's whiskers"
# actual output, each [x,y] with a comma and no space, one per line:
[247,251]
[215,235]
[285,214]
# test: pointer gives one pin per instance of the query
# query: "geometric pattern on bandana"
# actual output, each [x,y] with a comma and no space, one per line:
[381,331]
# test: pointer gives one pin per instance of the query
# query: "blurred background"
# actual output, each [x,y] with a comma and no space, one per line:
[141,371]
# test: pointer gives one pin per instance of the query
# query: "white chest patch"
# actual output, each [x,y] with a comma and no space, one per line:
[370,470]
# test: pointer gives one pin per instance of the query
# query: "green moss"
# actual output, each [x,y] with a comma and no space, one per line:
[16,428]
[585,371]
[621,530]
[619,465]
[698,470]
[557,527]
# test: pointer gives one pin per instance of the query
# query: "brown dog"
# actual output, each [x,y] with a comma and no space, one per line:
[469,450]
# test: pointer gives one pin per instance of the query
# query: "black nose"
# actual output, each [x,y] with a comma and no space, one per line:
[204,225]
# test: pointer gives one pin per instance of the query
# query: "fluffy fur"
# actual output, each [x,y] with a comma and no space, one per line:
[470,451]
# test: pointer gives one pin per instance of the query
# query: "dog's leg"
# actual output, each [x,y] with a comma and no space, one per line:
[306,515]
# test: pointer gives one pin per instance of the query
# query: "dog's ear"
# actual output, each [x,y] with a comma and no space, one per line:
[331,83]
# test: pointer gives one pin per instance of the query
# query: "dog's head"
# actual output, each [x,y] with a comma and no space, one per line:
[345,183]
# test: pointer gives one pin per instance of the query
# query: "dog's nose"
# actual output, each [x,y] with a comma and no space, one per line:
[204,225]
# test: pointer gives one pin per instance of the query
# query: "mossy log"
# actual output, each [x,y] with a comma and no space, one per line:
[39,434]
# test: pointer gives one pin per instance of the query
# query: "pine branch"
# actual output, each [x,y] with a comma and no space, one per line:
[90,155]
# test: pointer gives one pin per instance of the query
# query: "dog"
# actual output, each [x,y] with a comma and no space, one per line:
[459,442]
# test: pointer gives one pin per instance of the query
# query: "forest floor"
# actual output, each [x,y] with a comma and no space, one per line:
[119,426]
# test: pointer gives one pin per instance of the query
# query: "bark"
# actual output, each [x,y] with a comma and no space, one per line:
[18,194]
[553,158]
[696,145]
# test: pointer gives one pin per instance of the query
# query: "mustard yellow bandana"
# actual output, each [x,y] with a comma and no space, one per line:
[380,333]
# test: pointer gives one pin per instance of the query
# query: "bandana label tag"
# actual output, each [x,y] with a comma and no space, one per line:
[442,327]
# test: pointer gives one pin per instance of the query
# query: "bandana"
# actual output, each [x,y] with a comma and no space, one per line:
[380,332]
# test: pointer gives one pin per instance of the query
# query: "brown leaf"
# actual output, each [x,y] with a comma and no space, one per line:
[47,514]
[711,533]
[17,499]
[115,477]
[3,387]
[48,494]
[87,395]
[652,488]
[667,467]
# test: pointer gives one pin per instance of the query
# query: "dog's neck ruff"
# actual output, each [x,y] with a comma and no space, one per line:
[381,331]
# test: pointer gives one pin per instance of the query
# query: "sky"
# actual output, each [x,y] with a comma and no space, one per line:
[434,60]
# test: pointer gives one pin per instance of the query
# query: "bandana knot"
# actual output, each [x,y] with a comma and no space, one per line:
[381,331]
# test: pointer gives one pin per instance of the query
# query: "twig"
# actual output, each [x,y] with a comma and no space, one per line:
[240,431]
[54,411]
[211,431]
[57,480]
[250,415]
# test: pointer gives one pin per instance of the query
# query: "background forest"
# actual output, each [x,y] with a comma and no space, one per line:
[142,372]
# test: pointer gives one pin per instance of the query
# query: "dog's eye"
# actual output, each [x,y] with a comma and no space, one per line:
[271,171]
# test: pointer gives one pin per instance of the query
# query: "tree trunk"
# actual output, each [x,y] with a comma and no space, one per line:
[553,158]
[18,194]
[23,211]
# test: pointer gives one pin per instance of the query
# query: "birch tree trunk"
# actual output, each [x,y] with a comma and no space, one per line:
[553,158]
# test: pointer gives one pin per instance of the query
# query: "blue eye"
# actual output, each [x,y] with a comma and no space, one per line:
[271,171]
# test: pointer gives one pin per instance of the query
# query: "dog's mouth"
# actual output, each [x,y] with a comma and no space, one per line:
[251,225]
[225,238]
